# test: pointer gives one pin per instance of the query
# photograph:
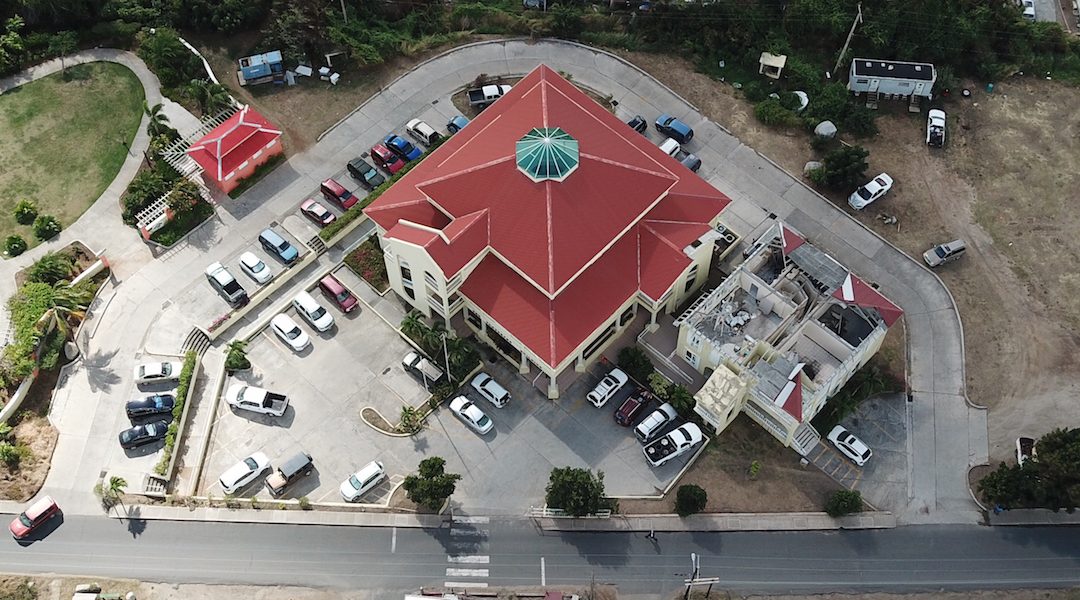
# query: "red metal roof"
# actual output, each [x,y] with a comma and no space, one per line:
[228,145]
[855,291]
[627,210]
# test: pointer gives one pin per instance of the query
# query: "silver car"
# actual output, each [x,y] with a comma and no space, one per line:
[243,472]
[471,415]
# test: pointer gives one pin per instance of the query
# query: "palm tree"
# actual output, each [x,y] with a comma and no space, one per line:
[413,327]
[159,121]
[116,488]
[211,97]
[68,303]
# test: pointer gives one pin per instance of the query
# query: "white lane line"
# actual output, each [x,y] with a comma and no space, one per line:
[543,572]
[393,541]
[477,560]
[452,572]
[472,520]
[464,584]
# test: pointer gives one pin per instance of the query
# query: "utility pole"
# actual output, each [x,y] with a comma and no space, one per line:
[847,42]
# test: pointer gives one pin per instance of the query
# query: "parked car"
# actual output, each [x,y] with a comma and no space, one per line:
[692,162]
[849,445]
[334,290]
[935,128]
[944,253]
[670,147]
[870,191]
[402,147]
[243,472]
[289,332]
[1028,10]
[362,171]
[312,209]
[154,404]
[638,124]
[631,408]
[415,363]
[655,422]
[677,442]
[490,390]
[336,193]
[674,128]
[471,415]
[607,387]
[297,466]
[311,311]
[36,515]
[257,400]
[140,435]
[255,268]
[456,124]
[226,285]
[383,157]
[1025,450]
[157,371]
[362,481]
[483,96]
[422,132]
[276,245]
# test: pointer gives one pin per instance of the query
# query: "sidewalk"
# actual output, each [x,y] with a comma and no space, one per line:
[1026,517]
[280,517]
[809,521]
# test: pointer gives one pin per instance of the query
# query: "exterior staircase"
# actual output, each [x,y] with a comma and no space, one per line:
[316,245]
[806,439]
[872,99]
[197,340]
[915,104]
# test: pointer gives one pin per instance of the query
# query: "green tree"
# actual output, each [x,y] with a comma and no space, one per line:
[576,491]
[237,359]
[15,245]
[845,167]
[635,363]
[184,196]
[565,21]
[690,499]
[158,123]
[46,227]
[433,485]
[844,502]
[61,44]
[212,98]
[771,112]
[682,400]
[11,43]
[51,268]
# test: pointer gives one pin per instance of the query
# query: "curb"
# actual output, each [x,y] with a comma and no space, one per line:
[671,523]
[281,517]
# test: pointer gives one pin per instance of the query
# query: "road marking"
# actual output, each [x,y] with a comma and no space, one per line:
[464,584]
[476,560]
[452,572]
[469,532]
[543,572]
[472,520]
[393,540]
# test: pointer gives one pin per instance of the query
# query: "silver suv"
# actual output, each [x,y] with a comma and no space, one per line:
[226,285]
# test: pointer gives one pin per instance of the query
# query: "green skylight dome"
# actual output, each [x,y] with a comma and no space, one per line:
[547,153]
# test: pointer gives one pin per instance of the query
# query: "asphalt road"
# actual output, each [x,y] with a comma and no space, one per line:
[513,552]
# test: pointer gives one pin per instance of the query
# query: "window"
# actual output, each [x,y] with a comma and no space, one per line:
[406,274]
[691,278]
[862,81]
[695,338]
[410,293]
[627,316]
[691,358]
[474,319]
[599,341]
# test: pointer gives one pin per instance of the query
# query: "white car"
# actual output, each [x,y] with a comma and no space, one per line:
[670,147]
[362,481]
[290,332]
[935,128]
[849,445]
[311,311]
[422,132]
[471,415]
[1029,10]
[871,191]
[491,390]
[607,387]
[157,371]
[244,472]
[255,268]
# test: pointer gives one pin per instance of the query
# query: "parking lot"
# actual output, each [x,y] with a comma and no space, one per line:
[145,457]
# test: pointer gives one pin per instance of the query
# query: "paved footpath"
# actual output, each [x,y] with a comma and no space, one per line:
[947,433]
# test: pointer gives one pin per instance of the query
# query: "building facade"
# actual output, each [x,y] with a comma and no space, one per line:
[233,150]
[548,224]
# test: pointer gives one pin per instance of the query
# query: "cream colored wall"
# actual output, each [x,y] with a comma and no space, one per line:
[394,253]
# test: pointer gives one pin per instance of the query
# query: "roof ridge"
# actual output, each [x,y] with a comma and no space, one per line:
[660,237]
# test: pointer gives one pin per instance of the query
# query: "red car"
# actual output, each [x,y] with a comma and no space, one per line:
[631,408]
[334,290]
[317,212]
[334,192]
[383,157]
[33,517]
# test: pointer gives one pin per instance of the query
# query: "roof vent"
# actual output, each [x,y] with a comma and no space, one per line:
[547,153]
[918,67]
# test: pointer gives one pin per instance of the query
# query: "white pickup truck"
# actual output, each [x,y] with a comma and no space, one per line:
[676,443]
[258,400]
[485,95]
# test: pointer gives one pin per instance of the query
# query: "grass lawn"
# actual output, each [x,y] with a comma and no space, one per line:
[60,141]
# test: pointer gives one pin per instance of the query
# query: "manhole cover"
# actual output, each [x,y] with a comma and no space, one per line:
[274,223]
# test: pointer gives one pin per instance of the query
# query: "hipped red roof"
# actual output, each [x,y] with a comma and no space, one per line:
[855,291]
[228,145]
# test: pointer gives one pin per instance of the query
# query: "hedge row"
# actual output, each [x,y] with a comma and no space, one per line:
[178,411]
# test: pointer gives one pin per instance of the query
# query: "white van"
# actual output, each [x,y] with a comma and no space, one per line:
[313,312]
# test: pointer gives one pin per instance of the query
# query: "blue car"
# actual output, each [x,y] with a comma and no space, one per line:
[674,128]
[456,124]
[402,147]
[276,245]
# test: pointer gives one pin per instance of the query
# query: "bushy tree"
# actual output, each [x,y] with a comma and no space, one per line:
[26,211]
[1049,479]
[635,363]
[844,502]
[46,227]
[61,44]
[771,112]
[433,485]
[845,167]
[576,491]
[170,60]
[11,44]
[690,499]
[184,196]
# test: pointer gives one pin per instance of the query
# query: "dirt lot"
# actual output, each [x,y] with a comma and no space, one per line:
[978,595]
[22,483]
[1006,184]
[781,485]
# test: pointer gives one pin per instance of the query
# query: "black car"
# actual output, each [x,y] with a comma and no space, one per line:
[155,404]
[362,171]
[638,124]
[143,434]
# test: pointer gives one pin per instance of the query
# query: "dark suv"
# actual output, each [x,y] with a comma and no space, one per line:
[631,408]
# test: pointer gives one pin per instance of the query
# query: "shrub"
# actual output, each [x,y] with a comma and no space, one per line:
[682,400]
[844,502]
[26,211]
[367,261]
[411,422]
[236,359]
[13,454]
[305,504]
[845,167]
[635,363]
[690,499]
[51,268]
[46,227]
[15,245]
[771,112]
[754,470]
[182,388]
[576,491]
